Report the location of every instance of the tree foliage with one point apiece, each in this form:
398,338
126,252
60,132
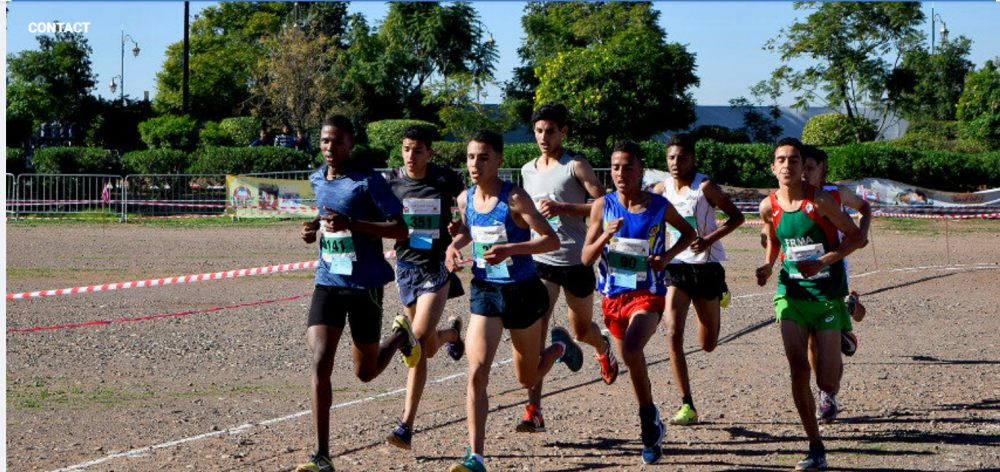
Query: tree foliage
53,82
856,46
610,64
461,110
979,106
927,86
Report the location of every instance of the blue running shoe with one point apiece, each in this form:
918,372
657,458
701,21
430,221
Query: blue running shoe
573,356
468,464
401,437
652,438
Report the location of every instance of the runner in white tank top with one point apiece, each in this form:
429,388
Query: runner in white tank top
694,276
561,185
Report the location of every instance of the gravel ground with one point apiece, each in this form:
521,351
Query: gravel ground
921,394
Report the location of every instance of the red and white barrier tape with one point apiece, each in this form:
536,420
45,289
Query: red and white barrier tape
143,318
167,281
987,216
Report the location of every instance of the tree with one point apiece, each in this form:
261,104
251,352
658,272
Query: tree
416,42
850,41
610,64
628,89
927,86
225,44
52,82
760,127
461,110
299,80
979,106
551,28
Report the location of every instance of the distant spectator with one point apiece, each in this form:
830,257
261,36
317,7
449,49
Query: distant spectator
302,143
262,140
285,139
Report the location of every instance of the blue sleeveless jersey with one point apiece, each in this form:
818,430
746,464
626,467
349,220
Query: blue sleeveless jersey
647,226
497,227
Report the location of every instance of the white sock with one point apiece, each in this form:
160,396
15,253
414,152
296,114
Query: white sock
479,458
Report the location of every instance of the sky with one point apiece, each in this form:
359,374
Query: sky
727,37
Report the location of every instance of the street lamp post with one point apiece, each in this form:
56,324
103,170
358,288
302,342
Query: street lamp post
944,28
135,53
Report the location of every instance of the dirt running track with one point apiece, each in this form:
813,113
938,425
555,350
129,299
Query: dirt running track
922,393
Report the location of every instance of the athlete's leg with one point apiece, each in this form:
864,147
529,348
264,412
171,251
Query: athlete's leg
535,392
813,353
531,362
482,339
677,311
829,366
322,341
641,327
581,320
424,316
708,323
796,341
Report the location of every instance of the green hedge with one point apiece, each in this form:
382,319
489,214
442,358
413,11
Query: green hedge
719,134
213,134
929,142
155,161
16,162
835,129
73,160
388,134
242,130
939,129
170,132
246,160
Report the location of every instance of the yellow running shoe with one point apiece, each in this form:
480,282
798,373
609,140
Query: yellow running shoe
410,350
726,298
318,463
685,416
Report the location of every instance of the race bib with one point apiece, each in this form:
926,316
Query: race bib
675,235
807,252
337,250
485,237
628,260
423,216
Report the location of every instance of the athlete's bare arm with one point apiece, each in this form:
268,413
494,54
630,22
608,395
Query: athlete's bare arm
461,239
718,199
394,228
659,261
585,175
522,208
659,189
830,209
852,200
773,246
597,235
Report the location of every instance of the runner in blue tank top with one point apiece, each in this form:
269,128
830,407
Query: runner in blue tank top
628,233
497,217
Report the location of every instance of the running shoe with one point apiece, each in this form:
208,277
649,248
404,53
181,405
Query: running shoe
410,350
814,461
726,298
608,362
848,343
685,416
573,356
826,409
468,464
401,437
317,463
457,348
652,438
532,421
854,306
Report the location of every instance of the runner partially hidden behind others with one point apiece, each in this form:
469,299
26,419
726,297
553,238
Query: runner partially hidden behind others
428,192
696,275
628,233
801,223
357,211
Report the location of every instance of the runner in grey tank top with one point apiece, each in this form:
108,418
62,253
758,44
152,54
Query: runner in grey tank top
561,184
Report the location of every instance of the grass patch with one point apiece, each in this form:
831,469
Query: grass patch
49,272
41,393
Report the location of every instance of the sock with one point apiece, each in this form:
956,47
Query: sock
648,412
479,458
560,343
688,401
816,446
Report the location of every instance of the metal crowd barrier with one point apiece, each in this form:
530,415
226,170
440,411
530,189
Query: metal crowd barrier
151,195
11,194
91,196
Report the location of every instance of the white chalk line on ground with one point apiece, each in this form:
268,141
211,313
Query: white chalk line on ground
244,427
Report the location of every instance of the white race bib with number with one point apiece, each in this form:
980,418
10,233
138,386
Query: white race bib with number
485,237
807,252
423,216
629,255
